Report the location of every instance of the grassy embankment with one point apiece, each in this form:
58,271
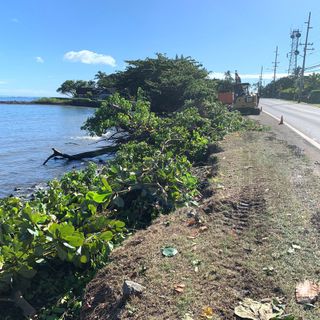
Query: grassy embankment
255,234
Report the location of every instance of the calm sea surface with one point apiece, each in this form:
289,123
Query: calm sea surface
27,134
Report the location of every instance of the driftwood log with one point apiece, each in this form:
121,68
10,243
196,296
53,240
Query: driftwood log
79,156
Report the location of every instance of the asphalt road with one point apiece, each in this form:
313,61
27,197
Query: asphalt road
301,116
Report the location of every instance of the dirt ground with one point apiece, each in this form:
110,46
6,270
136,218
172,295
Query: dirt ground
256,234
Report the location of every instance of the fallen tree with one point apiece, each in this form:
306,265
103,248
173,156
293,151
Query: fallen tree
79,156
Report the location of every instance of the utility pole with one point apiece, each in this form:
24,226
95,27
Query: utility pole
260,81
305,48
275,65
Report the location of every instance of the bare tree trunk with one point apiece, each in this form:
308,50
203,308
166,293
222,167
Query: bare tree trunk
79,156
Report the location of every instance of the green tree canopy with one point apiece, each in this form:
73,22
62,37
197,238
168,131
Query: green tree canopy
166,82
71,87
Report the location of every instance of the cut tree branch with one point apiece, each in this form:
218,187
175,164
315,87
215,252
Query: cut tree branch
79,156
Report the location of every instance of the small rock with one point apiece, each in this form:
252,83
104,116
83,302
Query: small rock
130,288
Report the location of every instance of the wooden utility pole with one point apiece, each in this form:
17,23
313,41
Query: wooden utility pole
275,65
260,81
305,48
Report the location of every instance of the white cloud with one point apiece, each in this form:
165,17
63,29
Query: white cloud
216,75
3,82
15,20
265,76
89,57
39,60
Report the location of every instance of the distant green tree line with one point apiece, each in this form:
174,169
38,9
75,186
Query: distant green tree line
288,88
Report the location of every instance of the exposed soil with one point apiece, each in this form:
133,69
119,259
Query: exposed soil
255,234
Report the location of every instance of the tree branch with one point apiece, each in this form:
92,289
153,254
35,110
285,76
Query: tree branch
79,156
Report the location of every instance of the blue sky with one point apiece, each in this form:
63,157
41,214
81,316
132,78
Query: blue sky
45,42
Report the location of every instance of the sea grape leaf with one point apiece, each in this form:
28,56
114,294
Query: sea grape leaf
65,229
37,218
106,236
119,224
106,185
83,259
92,208
97,224
98,197
75,239
53,228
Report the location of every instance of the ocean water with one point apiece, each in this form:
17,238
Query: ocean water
27,134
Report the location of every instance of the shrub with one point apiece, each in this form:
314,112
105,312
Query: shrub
52,100
287,94
314,96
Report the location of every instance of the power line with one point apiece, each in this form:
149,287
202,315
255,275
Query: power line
312,67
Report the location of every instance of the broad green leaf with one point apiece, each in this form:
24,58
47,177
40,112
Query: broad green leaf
119,224
113,169
92,208
98,197
83,259
65,230
53,229
76,239
106,236
106,185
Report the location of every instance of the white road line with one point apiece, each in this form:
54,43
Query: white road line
314,143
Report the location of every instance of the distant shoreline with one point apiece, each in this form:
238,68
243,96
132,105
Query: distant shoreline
76,102
16,102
